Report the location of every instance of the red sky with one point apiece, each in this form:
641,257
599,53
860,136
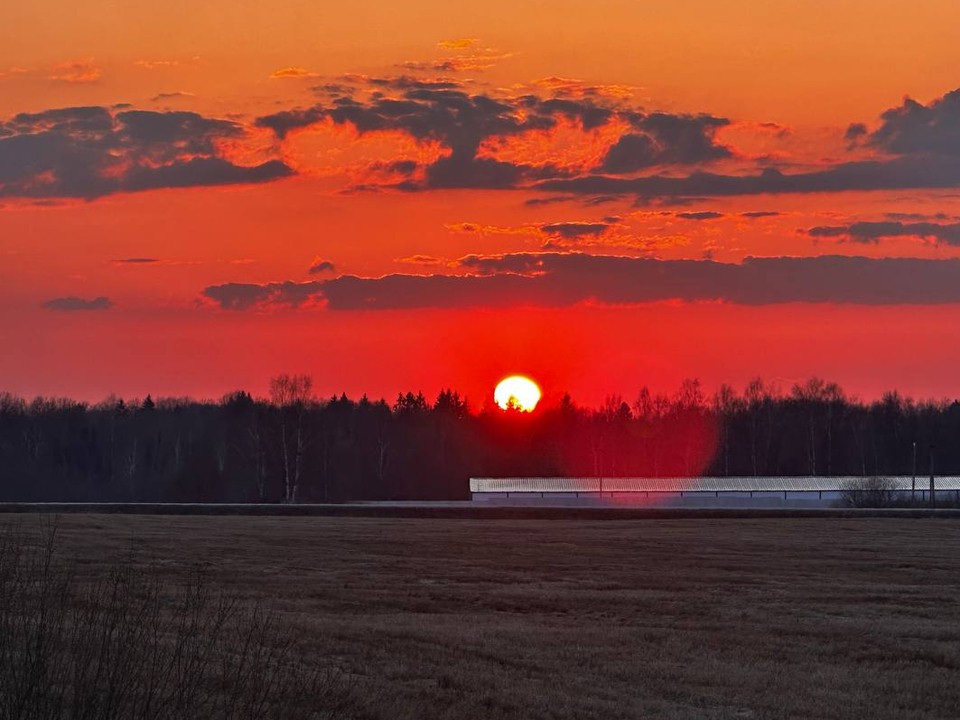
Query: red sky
483,190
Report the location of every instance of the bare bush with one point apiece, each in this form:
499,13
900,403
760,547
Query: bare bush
121,646
868,492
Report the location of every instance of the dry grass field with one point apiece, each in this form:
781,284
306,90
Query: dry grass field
425,618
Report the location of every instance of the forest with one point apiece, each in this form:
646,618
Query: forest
294,447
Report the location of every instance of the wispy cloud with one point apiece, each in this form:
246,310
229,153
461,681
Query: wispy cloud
292,73
77,304
76,72
12,71
175,95
156,64
462,43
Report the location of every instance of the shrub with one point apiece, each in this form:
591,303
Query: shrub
868,492
122,646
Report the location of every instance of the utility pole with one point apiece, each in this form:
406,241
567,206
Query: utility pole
933,491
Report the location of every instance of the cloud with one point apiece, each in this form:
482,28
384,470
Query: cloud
76,72
242,296
549,200
574,230
760,214
402,167
571,230
462,63
171,95
468,126
702,215
405,82
922,143
72,304
899,173
462,43
854,132
422,260
319,265
454,118
154,64
918,216
137,261
563,279
11,71
917,129
573,87
291,73
867,232
664,139
88,152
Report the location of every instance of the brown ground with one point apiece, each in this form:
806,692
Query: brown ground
775,618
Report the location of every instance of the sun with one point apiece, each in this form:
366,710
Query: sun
518,393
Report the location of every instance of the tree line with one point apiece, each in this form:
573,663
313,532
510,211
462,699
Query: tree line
294,447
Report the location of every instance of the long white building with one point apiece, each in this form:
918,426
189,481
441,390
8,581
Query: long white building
700,491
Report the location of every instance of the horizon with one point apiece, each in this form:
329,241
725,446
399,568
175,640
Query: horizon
552,398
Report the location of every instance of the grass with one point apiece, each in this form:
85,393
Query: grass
427,618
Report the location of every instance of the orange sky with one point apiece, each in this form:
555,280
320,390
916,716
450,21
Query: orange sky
400,138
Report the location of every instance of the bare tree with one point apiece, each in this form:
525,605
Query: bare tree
725,405
760,400
291,394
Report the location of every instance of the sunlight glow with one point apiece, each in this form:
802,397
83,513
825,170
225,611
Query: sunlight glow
518,393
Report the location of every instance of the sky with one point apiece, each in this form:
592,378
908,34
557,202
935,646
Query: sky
412,196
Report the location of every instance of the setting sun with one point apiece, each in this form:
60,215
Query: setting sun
517,392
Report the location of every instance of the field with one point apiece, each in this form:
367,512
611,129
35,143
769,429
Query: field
734,618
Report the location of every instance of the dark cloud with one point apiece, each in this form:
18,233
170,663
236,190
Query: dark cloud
701,215
71,304
405,82
664,139
88,152
452,117
759,214
203,171
923,139
917,129
444,112
898,173
866,232
320,266
855,131
137,261
242,296
333,89
601,200
591,116
171,95
402,167
918,216
573,230
562,279
549,200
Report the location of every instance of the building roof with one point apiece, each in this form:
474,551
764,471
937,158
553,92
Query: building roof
697,484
